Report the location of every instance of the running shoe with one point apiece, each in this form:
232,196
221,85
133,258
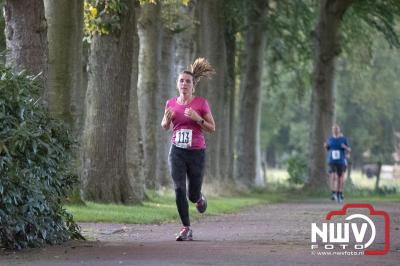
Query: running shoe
334,196
339,199
201,204
185,234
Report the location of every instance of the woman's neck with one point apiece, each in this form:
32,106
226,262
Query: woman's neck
185,99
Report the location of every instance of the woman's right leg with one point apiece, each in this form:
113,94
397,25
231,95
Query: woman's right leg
178,170
333,181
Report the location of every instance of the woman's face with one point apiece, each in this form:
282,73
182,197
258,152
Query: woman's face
336,130
185,84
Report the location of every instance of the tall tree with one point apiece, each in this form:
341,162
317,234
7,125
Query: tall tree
134,136
166,89
185,36
327,48
105,177
65,33
233,19
177,52
26,37
148,30
211,44
66,93
248,140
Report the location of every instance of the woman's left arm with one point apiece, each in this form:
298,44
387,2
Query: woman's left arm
346,147
206,123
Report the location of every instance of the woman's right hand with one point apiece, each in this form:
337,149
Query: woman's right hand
168,114
166,122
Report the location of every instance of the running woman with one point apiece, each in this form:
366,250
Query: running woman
337,147
189,116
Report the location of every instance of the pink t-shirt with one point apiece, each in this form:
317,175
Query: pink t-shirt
187,133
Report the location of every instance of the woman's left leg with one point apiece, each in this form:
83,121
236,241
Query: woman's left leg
195,172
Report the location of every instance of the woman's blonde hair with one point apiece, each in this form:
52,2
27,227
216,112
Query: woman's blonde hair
199,69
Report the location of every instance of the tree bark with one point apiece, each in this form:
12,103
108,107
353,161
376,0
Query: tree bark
166,88
211,45
149,29
66,93
327,48
105,177
65,32
134,138
231,90
185,44
248,164
26,37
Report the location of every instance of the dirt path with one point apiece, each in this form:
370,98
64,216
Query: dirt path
277,234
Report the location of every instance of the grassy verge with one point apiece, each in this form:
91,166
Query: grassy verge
356,195
161,208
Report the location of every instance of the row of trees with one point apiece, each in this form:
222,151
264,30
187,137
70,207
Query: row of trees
364,94
112,90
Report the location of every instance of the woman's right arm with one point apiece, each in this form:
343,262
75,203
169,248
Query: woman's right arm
166,121
326,146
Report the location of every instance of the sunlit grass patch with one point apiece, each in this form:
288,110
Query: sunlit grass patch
161,208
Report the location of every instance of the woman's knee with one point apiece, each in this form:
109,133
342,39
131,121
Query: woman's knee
180,192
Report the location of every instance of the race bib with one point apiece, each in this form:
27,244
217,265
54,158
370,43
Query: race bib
335,154
183,138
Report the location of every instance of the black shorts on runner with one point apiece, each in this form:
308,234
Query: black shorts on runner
339,169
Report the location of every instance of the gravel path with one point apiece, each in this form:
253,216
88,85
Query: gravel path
275,234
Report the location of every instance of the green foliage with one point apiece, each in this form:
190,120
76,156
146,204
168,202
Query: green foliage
287,77
290,25
174,15
297,169
367,95
379,15
34,174
368,102
102,17
234,16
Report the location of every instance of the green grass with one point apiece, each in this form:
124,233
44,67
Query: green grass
162,208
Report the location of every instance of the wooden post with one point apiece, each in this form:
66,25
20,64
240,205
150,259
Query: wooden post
378,177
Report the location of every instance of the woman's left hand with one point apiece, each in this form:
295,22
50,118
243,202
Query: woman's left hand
192,114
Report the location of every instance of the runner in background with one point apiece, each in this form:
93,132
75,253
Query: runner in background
189,116
337,148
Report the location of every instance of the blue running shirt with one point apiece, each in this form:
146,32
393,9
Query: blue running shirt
336,154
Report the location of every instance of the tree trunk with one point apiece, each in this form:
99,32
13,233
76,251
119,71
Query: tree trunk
327,48
211,44
65,32
148,29
185,45
66,93
248,162
26,37
134,137
231,90
105,177
166,88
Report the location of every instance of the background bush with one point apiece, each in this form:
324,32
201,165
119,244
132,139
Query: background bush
297,169
35,153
